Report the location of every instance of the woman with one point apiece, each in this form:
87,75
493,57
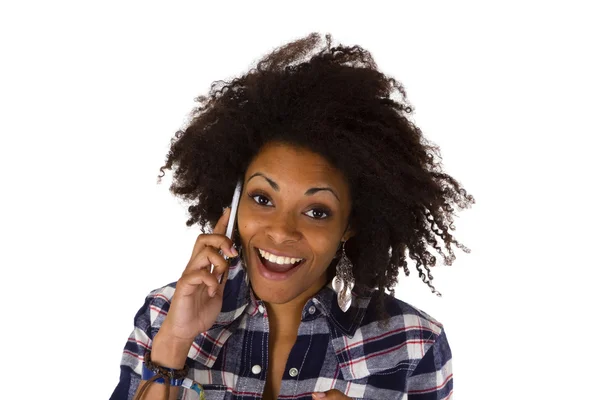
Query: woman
339,187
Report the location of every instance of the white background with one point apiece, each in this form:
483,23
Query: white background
92,92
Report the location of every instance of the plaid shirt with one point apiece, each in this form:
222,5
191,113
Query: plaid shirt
350,352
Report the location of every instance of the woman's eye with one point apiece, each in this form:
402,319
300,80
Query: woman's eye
315,213
318,213
262,200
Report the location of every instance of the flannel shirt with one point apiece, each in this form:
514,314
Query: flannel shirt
350,352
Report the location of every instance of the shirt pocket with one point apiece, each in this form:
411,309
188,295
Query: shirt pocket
387,384
210,392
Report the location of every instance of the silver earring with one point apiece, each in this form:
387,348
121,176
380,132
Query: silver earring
343,281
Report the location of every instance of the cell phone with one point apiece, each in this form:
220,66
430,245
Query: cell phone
231,223
234,206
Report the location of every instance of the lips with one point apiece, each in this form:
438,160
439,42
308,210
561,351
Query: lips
274,271
274,267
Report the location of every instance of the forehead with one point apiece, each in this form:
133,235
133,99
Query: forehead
293,163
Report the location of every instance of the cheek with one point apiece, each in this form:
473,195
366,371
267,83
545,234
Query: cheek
324,246
247,223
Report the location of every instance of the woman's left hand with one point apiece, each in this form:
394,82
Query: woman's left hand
332,394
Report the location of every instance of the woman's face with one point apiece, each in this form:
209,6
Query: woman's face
294,205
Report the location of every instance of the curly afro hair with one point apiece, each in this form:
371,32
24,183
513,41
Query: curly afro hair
334,102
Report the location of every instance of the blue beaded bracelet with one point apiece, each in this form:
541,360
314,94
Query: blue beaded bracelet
147,374
150,370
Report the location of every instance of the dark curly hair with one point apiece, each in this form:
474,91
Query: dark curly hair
332,101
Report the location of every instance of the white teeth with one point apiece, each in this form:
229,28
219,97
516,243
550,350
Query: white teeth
278,259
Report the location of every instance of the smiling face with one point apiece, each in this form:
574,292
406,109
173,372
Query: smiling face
294,205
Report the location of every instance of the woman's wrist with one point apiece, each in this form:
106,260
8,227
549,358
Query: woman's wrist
169,352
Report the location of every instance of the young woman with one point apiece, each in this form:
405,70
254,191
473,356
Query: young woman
338,189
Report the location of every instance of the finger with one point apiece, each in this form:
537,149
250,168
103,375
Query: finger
210,257
218,241
332,394
222,279
205,258
221,225
190,281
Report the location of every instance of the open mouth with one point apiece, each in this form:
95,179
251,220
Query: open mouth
275,270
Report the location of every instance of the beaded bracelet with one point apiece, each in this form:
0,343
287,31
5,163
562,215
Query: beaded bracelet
152,372
149,369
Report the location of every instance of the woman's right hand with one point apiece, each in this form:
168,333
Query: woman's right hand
198,295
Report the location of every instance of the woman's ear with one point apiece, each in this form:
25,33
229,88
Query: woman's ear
348,234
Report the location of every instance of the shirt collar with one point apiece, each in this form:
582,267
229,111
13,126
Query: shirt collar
346,322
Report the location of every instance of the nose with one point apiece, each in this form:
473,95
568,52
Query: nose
282,228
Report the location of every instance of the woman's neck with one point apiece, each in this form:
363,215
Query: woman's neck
284,319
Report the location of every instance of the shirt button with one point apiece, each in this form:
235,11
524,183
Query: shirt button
312,310
293,372
261,309
256,369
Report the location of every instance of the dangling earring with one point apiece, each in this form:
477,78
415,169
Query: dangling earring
343,281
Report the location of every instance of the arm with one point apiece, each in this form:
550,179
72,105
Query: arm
170,354
147,336
171,318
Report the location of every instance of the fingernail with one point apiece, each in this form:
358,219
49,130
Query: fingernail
318,395
233,251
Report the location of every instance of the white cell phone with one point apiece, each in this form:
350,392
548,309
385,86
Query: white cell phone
234,206
231,223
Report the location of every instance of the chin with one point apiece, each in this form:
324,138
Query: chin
273,292
272,295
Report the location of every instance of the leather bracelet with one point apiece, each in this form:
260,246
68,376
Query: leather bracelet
175,376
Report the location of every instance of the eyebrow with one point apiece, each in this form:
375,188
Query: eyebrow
309,192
